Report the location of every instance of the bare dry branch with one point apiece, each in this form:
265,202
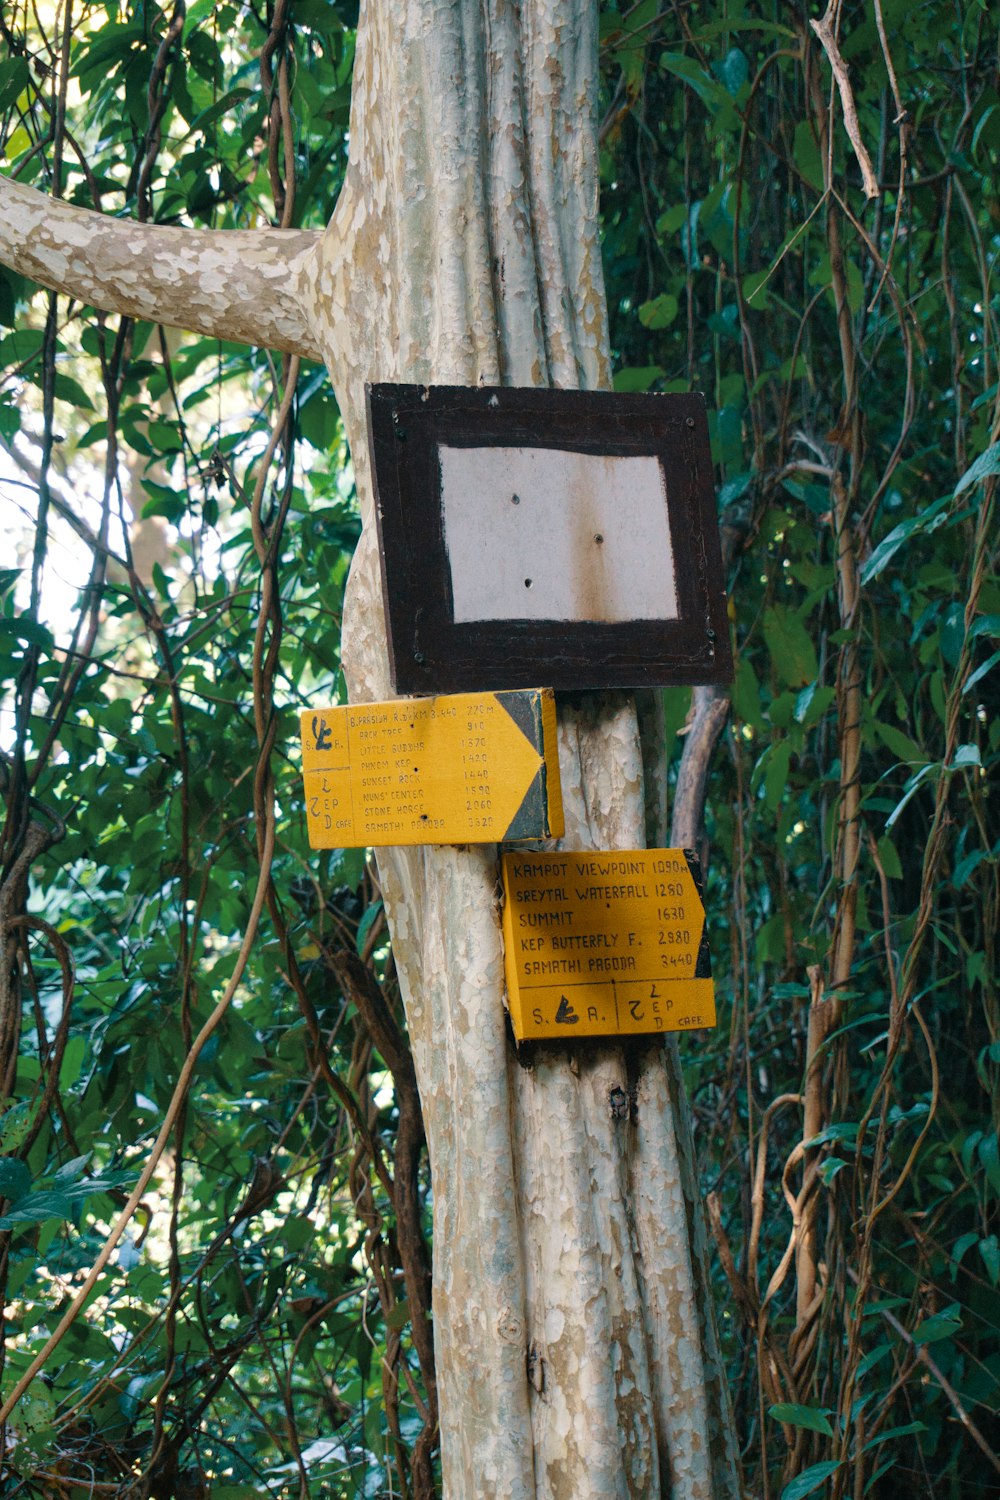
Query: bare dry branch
824,30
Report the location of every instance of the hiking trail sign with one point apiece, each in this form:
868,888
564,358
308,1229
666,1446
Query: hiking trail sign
605,944
464,769
564,537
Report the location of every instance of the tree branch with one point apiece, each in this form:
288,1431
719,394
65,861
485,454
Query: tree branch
232,283
707,719
824,30
709,712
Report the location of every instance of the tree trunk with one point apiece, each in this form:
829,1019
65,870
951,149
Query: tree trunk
577,1356
576,1351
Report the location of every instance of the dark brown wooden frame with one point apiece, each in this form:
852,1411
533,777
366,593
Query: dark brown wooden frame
429,652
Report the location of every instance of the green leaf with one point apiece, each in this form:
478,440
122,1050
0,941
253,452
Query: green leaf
57,1202
985,625
812,703
985,397
796,1415
201,10
94,434
26,629
14,290
928,520
941,1326
754,290
72,1171
746,694
35,1208
968,1149
398,1317
15,1179
347,866
637,378
890,858
610,23
900,744
952,634
71,391
806,155
982,671
909,791
894,1432
739,484
161,582
725,427
809,1480
830,1166
792,650
989,1155
958,1249
672,219
704,85
776,776
21,346
72,1063
165,436
660,312
15,1123
10,419
14,79
35,1412
165,502
367,923
733,71
986,464
106,47
966,867
216,110
319,14
989,1250
319,420
882,1305
873,1357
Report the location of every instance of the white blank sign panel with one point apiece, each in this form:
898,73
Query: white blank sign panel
542,534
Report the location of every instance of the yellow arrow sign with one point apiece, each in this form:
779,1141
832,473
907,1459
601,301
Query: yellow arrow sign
466,768
605,944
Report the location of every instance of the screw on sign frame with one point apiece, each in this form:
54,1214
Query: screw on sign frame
564,537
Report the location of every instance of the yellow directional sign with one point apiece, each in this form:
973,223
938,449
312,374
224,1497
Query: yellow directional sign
467,768
605,944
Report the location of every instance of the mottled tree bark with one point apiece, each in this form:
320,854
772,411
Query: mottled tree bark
577,1356
230,283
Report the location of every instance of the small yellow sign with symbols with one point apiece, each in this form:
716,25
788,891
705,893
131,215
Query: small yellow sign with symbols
605,944
467,768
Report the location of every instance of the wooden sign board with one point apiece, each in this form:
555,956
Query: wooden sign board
472,768
605,944
568,537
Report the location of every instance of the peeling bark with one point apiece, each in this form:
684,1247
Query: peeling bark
576,1350
234,284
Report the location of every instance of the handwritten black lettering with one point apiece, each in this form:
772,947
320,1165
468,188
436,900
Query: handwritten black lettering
322,734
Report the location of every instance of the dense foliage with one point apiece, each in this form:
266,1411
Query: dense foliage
180,524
